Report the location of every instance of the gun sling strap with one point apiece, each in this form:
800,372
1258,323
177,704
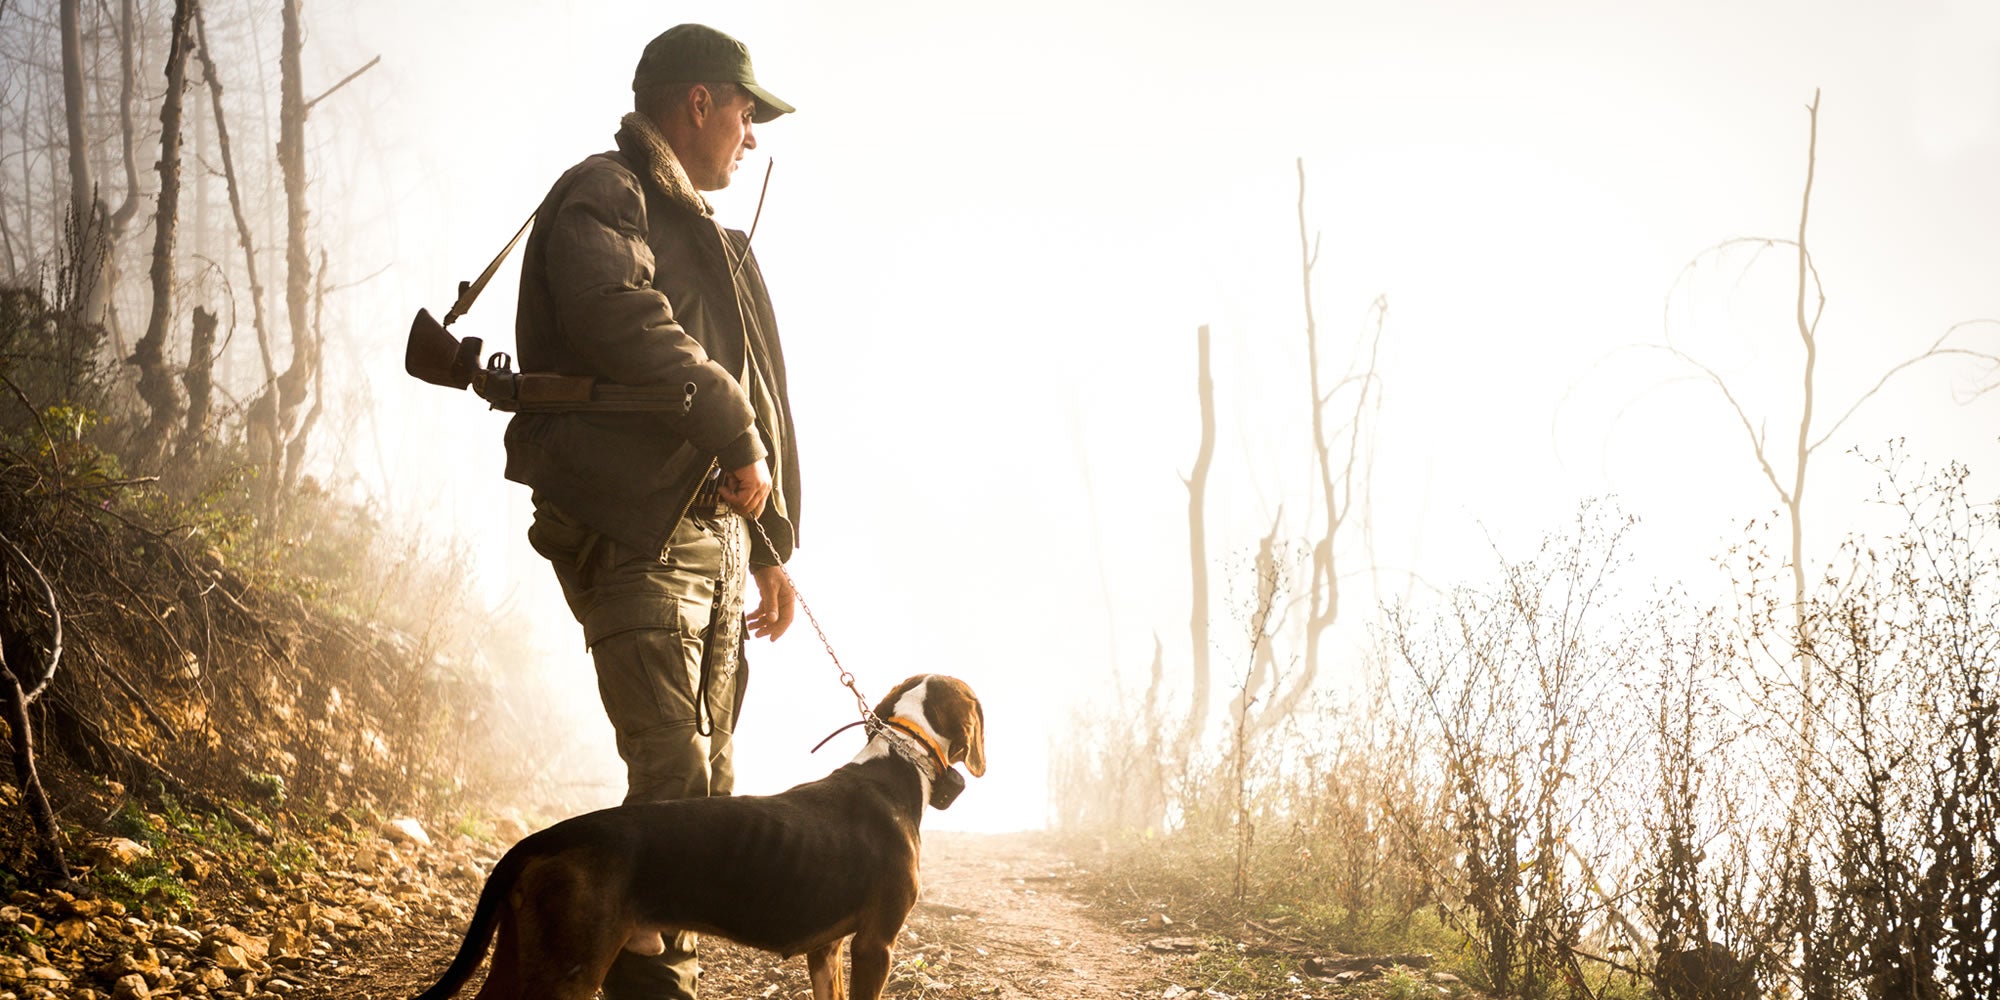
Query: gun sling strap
437,357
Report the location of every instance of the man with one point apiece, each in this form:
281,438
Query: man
645,515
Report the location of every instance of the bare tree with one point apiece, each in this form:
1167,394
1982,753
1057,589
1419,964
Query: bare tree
1339,413
156,386
120,218
1790,487
235,189
86,212
278,438
1197,487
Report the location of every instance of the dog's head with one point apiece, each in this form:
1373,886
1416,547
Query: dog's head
949,713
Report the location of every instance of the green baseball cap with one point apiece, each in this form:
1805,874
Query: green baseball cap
697,53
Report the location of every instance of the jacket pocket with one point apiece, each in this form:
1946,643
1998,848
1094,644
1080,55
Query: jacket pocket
564,541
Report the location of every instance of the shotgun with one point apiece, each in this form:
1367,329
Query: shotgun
437,357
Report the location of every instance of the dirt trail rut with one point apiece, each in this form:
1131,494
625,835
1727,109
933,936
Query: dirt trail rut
1000,901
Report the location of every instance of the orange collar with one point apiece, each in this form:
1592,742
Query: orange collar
912,729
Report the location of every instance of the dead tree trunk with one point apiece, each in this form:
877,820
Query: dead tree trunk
236,201
295,449
1339,455
200,381
1817,984
87,304
1197,486
278,408
120,218
156,386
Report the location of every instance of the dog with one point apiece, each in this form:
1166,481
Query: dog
793,873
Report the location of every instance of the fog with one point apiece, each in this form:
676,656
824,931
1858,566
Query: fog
990,240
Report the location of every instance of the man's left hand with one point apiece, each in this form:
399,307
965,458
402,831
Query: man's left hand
775,602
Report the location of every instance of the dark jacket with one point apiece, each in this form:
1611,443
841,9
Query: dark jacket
627,277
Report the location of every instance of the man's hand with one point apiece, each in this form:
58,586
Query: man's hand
775,601
745,489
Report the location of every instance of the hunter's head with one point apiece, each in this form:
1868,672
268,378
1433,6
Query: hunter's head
696,85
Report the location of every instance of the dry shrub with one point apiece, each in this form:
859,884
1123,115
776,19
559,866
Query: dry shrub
1610,794
230,663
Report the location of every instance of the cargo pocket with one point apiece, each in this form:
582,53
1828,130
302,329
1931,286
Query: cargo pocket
641,679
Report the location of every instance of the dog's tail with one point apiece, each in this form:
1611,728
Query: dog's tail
479,936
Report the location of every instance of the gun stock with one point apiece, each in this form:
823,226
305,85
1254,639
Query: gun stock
437,357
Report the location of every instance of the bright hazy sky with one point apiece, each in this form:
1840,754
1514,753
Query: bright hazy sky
990,238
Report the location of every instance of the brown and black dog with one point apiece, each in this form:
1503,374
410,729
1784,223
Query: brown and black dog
794,873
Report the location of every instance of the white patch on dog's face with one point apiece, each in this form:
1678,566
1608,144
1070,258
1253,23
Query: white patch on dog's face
910,707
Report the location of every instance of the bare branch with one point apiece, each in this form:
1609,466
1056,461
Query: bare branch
1936,350
1742,417
55,652
37,414
344,81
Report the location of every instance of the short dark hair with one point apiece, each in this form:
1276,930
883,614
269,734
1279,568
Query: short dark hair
658,99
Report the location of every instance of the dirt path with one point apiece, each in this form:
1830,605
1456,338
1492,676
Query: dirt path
998,904
994,921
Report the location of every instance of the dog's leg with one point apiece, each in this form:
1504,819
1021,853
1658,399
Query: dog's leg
823,966
503,976
565,930
868,959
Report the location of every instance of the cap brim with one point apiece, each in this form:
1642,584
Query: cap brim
768,104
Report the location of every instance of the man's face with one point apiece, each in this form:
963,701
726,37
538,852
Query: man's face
720,139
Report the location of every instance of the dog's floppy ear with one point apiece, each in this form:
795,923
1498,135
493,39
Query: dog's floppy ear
964,719
975,739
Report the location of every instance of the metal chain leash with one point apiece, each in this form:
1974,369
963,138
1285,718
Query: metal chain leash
846,676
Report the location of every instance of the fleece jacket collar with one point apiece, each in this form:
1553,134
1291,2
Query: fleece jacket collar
641,142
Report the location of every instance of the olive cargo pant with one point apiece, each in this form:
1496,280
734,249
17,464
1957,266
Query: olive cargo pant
648,619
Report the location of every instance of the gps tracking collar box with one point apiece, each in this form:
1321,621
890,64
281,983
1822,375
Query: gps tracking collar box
945,788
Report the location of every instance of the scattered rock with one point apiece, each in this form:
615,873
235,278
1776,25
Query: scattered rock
406,830
229,958
287,941
132,987
252,945
1177,945
118,852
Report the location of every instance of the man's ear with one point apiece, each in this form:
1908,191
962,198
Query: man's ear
700,103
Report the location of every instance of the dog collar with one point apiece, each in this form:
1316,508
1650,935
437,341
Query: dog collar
905,727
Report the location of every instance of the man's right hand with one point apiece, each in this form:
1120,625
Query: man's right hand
746,489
